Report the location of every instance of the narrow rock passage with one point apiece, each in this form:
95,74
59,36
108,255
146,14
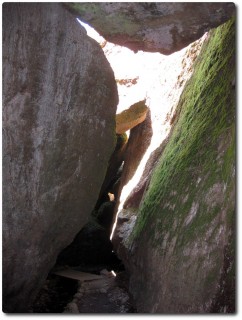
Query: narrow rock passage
88,276
100,281
90,261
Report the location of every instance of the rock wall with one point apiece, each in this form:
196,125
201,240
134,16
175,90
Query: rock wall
155,27
180,248
59,103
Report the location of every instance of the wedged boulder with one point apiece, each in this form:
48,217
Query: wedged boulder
131,117
59,105
163,27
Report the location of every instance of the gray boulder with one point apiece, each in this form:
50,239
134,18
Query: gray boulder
163,27
59,104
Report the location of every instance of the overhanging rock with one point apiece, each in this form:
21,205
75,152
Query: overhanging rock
164,27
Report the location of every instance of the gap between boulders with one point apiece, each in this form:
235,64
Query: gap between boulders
88,276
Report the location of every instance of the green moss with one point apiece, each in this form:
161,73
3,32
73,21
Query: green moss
229,157
186,220
206,113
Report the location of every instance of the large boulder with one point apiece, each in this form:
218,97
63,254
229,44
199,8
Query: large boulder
59,104
155,27
177,238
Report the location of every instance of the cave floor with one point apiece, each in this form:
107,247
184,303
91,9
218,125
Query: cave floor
104,295
73,291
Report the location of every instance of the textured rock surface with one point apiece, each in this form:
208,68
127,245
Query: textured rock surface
59,103
131,117
180,249
154,27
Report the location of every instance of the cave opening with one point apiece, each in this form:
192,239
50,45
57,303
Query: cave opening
155,81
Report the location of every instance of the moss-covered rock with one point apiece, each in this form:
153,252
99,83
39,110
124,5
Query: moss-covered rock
183,240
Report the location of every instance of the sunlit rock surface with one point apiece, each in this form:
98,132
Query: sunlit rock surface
131,117
59,105
164,27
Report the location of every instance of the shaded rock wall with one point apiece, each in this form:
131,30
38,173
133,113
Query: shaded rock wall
154,27
59,103
180,249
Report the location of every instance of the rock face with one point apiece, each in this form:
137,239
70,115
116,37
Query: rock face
180,245
59,103
154,27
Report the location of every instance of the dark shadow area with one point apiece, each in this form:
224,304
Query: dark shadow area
91,250
54,295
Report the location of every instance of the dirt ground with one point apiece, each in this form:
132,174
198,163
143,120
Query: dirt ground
106,295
